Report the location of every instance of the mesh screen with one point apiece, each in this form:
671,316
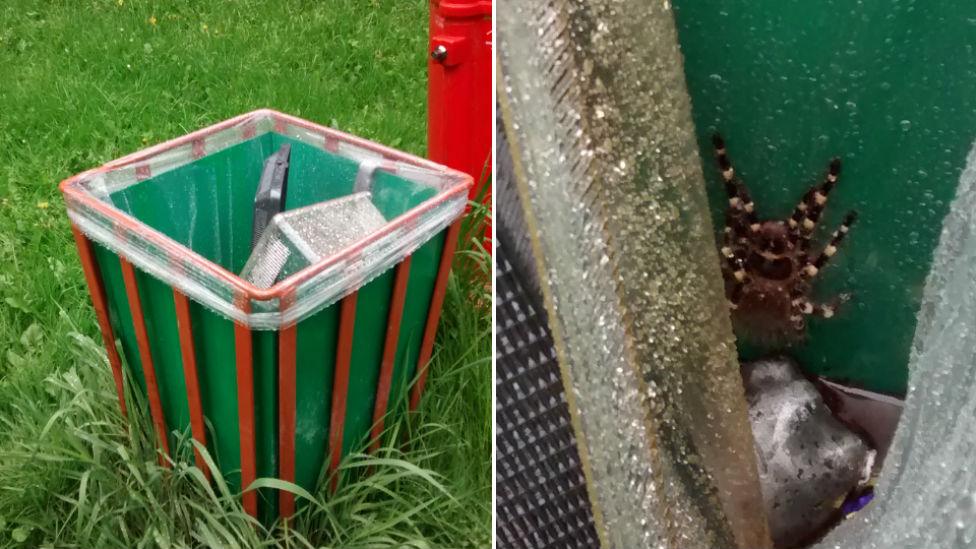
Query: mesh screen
541,492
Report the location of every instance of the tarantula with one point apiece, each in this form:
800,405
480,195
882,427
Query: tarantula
767,265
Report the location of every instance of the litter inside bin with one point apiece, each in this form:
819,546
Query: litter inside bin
299,238
809,462
270,198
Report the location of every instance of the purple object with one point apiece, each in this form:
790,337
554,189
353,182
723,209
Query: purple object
855,503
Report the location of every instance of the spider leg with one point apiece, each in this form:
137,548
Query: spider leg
739,280
740,203
807,212
823,310
730,249
734,272
810,269
798,302
735,295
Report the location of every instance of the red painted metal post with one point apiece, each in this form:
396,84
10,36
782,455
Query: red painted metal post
188,352
340,384
459,90
459,125
287,361
434,316
397,301
96,287
244,358
145,355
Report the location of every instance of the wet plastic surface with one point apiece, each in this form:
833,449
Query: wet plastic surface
606,161
302,237
926,495
887,86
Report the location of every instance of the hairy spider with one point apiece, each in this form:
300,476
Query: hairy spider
767,265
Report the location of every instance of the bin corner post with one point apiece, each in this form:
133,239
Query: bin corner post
145,356
287,359
340,385
96,289
244,357
434,313
188,352
398,299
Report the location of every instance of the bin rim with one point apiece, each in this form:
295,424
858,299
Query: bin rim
244,290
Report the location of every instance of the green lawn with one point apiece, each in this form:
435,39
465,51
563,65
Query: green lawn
86,81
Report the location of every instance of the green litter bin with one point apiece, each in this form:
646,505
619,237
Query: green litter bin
282,378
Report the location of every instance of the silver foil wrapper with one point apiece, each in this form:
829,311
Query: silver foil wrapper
808,460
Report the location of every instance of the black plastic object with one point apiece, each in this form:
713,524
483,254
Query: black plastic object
270,198
542,498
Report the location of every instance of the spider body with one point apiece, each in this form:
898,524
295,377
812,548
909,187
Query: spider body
767,265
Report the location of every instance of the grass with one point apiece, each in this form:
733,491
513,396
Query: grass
86,81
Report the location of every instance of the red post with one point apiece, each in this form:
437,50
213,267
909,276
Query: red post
459,126
459,91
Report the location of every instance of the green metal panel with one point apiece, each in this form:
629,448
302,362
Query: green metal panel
316,340
420,290
119,314
372,310
888,86
315,346
393,195
159,310
314,175
207,207
213,337
265,345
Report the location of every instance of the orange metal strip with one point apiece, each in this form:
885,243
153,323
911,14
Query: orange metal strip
340,383
389,351
97,291
244,353
188,350
434,314
145,355
287,356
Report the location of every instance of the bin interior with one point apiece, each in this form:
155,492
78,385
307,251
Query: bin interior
207,206
789,90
